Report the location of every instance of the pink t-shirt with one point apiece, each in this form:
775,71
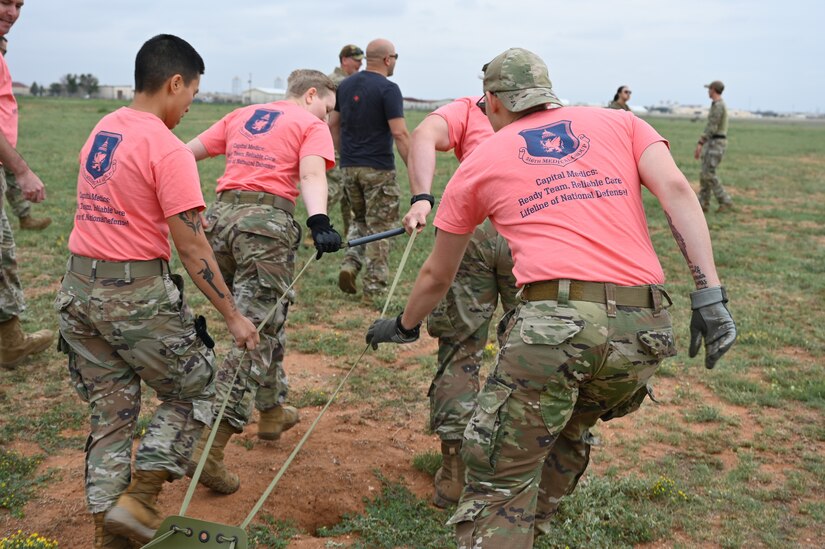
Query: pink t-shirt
8,105
134,174
467,125
563,188
264,145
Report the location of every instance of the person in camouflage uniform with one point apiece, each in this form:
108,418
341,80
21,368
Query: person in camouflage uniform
255,238
368,117
711,148
620,99
121,312
592,324
350,60
15,344
461,321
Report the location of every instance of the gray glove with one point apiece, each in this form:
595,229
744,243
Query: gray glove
389,330
712,322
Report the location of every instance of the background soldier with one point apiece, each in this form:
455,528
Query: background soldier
350,60
711,149
620,99
368,116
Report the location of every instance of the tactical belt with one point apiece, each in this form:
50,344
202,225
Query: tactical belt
252,197
596,292
718,136
97,268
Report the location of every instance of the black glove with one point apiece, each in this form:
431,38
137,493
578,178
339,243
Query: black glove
326,238
712,322
389,330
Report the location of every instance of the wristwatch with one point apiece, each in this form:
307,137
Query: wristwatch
428,197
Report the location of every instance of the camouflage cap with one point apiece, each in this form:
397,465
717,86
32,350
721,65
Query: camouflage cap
716,85
353,51
519,79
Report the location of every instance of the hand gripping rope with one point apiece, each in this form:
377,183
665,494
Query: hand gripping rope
198,534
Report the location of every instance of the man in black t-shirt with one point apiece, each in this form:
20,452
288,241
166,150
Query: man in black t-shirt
368,117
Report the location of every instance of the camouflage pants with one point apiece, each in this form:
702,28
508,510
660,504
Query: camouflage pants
20,207
373,196
712,153
117,333
461,323
335,194
11,291
255,247
563,366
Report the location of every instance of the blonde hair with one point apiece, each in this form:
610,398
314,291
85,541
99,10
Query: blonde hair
303,79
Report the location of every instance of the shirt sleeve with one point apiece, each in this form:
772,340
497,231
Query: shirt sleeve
714,121
461,208
393,102
455,114
318,142
644,136
214,138
178,183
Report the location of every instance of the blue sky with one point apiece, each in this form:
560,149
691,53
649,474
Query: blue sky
769,54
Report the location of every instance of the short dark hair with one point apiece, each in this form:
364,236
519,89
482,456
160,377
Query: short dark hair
162,57
618,92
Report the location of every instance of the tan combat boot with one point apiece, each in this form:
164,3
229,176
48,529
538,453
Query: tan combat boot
105,539
15,345
277,420
346,279
449,479
30,223
135,515
214,475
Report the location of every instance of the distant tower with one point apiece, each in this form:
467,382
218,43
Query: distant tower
236,85
279,82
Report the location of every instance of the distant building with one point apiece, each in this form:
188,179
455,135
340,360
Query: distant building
263,95
18,88
120,93
413,104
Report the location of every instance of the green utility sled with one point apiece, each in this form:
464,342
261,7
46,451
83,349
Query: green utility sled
187,533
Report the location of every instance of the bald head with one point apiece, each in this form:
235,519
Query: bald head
381,56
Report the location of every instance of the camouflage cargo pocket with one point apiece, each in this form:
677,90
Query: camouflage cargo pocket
76,377
549,330
481,437
630,405
439,323
192,364
659,343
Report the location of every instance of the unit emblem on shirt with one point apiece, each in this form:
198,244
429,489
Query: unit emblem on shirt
260,122
554,144
100,164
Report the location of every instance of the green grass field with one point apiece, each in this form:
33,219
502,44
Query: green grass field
733,457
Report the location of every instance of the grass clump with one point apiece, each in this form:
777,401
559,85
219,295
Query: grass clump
17,481
22,540
273,533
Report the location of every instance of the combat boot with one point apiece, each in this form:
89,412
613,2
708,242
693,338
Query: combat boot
346,279
30,223
214,475
105,539
135,515
15,345
277,420
449,479
726,207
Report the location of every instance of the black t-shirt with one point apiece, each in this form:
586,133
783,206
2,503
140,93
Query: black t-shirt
366,101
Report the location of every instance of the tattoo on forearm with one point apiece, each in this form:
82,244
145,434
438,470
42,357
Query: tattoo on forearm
192,219
699,278
209,276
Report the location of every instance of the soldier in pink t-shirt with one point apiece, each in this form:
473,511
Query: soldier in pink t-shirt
122,315
15,345
461,321
273,152
563,186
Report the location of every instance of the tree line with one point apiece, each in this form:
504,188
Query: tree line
70,85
